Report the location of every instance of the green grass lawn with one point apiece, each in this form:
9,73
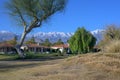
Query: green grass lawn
8,56
30,55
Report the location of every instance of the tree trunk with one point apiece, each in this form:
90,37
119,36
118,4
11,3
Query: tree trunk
18,47
22,38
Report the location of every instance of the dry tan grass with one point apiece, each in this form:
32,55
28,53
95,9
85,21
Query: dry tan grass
99,66
107,62
113,46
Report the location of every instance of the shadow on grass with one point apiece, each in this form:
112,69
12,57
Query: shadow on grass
32,57
43,58
15,63
8,66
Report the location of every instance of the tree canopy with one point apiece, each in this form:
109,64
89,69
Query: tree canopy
32,13
59,42
82,41
13,41
47,43
31,41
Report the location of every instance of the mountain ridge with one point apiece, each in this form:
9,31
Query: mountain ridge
52,36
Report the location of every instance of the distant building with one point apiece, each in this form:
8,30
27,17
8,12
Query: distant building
9,48
61,47
37,48
6,48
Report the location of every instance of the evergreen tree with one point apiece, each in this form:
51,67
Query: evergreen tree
82,41
58,42
47,43
31,41
13,41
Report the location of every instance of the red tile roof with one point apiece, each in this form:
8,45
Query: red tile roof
61,45
6,45
36,45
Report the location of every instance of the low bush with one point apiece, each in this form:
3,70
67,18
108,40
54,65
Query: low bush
113,47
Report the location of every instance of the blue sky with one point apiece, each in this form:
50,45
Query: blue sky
92,14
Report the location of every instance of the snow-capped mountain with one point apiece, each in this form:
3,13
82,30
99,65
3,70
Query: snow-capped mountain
6,35
98,34
52,36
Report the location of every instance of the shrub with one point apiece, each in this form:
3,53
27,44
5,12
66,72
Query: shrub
113,47
112,32
111,35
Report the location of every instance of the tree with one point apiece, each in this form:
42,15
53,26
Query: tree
82,41
31,41
58,42
13,41
112,32
32,13
47,43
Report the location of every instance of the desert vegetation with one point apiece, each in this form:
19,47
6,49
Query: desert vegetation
82,41
105,66
32,14
81,64
111,39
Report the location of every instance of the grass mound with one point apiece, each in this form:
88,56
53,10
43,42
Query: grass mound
98,66
107,62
